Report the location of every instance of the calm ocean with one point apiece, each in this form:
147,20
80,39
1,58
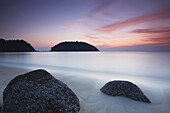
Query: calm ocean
149,70
131,64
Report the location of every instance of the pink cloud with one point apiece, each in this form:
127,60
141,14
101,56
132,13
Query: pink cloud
75,22
153,30
162,14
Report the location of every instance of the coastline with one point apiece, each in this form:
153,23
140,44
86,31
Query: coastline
7,74
91,99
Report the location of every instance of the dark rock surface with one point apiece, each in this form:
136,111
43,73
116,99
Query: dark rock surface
73,46
124,88
15,46
39,92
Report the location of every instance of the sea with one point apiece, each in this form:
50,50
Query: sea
150,70
143,65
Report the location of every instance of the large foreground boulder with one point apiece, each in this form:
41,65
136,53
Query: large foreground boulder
39,92
124,88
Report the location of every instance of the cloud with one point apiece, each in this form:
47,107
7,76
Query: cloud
95,16
91,36
101,7
74,23
157,36
158,40
162,14
153,30
139,47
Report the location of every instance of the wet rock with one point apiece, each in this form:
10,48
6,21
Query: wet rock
124,88
39,92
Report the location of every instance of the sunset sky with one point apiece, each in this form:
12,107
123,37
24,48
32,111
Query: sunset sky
108,24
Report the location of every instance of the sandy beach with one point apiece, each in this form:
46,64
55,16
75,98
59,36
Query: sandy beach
92,100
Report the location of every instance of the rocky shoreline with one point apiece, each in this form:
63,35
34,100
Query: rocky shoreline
39,91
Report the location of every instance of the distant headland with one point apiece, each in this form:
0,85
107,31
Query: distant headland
15,46
73,46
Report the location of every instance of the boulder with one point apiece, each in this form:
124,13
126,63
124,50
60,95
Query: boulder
124,88
39,92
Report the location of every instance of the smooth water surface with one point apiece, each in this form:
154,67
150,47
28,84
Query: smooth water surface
149,70
99,64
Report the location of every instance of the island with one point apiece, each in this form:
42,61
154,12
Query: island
15,46
73,46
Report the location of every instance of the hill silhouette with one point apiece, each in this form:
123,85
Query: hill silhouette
74,46
15,46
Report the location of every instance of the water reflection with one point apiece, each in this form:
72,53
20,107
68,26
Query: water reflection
136,66
150,71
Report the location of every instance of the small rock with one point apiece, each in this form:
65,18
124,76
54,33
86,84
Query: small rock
39,92
124,88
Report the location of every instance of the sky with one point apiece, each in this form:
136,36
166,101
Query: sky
110,25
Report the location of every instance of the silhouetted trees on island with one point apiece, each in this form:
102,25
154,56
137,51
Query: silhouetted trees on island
23,46
15,46
73,46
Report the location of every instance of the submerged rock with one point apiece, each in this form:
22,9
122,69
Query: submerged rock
124,88
39,92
